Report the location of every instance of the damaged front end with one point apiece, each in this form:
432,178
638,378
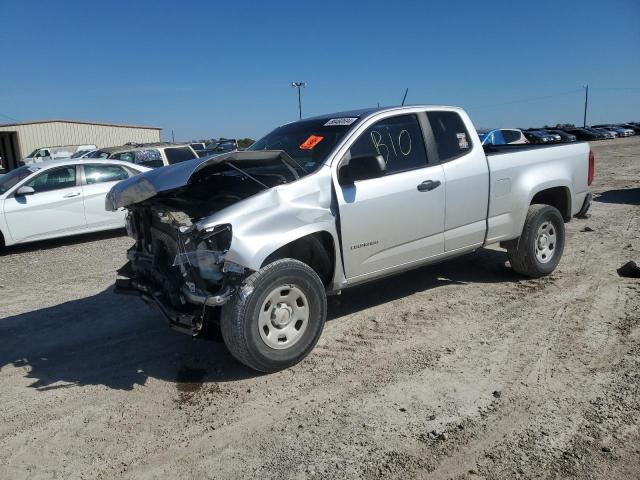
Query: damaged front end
177,268
175,264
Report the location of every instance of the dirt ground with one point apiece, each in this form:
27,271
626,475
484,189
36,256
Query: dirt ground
462,370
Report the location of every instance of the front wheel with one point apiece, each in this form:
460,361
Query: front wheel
538,250
277,318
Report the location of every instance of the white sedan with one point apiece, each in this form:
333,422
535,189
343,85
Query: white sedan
57,198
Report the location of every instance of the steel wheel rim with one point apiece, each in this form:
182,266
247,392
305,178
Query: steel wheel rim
546,242
284,317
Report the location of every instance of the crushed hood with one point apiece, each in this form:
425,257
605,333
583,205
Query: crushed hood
149,184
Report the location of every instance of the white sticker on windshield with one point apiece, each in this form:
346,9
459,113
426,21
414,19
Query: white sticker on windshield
340,121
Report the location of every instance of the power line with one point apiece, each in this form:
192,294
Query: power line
615,88
532,99
10,118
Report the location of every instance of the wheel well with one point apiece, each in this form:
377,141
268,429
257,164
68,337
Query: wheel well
558,197
1,239
315,250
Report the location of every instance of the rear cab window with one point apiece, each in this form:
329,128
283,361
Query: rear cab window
179,154
450,133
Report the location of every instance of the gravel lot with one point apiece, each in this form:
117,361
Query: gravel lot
462,370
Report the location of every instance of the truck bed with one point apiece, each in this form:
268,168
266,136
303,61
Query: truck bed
500,149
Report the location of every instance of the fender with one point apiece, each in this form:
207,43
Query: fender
271,219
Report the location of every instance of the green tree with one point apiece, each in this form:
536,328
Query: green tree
245,142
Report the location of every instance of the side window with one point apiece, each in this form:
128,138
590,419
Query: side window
54,179
179,154
451,135
124,156
511,136
104,173
149,158
398,139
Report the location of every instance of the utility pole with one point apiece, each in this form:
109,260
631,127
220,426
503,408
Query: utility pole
586,102
173,139
299,85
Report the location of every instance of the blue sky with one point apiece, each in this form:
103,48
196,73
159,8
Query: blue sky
208,69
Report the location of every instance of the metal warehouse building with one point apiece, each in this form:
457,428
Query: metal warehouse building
17,140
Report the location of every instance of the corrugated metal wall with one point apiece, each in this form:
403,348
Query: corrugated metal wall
50,134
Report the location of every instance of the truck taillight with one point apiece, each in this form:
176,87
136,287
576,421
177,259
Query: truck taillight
592,167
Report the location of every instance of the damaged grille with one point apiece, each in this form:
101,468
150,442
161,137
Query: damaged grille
170,255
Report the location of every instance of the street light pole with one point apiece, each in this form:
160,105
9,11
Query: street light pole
586,102
299,85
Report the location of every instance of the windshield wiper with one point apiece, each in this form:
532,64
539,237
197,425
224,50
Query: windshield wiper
246,174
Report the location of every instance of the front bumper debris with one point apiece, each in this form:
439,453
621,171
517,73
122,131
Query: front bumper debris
188,323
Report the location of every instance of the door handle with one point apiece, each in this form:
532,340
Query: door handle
71,195
428,185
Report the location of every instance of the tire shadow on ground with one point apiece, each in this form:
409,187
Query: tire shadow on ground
119,342
483,266
624,196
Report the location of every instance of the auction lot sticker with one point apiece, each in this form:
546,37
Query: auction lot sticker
311,142
340,121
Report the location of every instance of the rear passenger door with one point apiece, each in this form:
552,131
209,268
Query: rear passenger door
467,180
389,222
97,181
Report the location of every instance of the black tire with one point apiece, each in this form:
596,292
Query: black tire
522,251
239,318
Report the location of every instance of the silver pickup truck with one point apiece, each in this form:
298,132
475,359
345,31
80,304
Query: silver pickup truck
252,242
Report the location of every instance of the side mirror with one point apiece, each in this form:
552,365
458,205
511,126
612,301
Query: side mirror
362,167
24,190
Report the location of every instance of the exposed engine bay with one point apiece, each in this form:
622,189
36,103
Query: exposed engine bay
176,265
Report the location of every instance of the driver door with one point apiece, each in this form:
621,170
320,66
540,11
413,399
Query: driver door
54,209
389,222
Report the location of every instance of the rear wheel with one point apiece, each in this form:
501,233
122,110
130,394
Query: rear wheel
278,319
538,250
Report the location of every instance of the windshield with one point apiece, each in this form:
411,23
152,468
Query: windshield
308,142
33,154
79,153
14,176
97,154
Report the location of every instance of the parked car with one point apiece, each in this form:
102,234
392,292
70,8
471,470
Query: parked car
57,198
585,134
538,136
43,154
152,155
633,126
503,136
564,136
198,146
254,240
556,137
83,153
607,134
222,146
618,130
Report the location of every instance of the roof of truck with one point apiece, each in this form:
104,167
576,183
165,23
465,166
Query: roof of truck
364,112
